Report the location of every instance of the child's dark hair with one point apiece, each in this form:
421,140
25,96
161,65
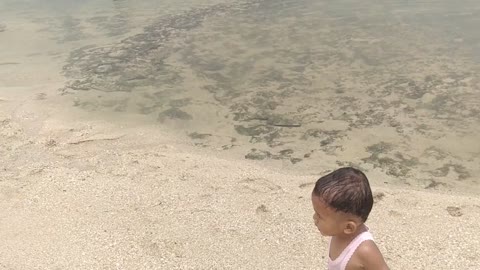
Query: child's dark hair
346,190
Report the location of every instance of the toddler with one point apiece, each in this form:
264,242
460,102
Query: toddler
342,201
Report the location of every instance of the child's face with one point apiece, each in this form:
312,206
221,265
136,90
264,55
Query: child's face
328,221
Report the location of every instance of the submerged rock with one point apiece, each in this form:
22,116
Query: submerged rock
258,154
174,113
199,136
103,69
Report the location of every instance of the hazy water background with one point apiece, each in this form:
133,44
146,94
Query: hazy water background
391,86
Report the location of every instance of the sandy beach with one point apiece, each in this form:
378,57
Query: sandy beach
134,137
77,193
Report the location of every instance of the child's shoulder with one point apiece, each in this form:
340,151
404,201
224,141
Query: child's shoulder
368,256
367,248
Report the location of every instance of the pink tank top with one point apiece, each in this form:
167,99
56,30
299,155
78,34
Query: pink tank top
340,263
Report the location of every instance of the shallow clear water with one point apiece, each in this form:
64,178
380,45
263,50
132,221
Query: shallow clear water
383,85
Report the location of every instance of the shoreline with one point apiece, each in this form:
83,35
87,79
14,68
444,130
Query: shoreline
57,109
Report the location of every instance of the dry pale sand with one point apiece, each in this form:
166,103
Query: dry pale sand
77,193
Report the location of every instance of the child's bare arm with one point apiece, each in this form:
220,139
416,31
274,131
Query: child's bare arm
371,257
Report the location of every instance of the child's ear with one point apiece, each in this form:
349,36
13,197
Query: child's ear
350,227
